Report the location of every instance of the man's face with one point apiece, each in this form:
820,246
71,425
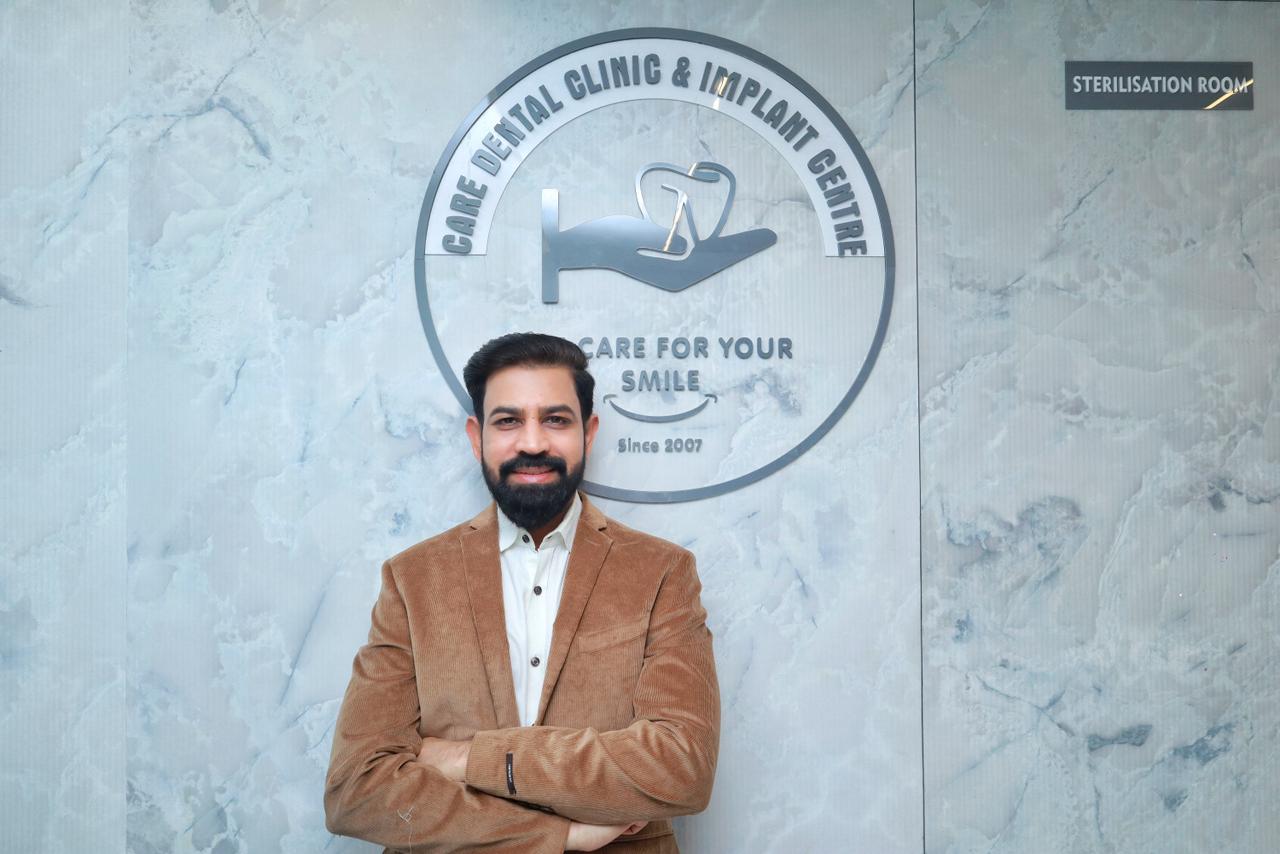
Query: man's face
533,443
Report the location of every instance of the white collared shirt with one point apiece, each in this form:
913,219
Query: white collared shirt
532,581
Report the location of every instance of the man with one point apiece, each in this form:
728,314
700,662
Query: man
539,679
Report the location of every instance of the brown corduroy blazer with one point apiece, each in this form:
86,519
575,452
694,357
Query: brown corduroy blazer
627,728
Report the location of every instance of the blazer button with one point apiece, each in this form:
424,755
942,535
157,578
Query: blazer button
535,661
537,590
524,537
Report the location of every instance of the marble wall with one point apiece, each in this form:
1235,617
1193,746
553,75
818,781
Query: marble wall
1022,598
1100,437
64,188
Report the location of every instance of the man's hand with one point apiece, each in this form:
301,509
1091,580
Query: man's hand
591,837
447,757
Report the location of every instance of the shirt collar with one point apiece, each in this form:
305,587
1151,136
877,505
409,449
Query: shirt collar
509,533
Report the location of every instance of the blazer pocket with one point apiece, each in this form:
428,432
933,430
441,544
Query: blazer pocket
611,636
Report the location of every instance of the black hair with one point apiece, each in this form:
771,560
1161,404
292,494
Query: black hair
530,349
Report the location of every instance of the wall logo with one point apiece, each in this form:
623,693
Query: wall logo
699,219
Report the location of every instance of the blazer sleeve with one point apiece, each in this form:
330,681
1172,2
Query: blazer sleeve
377,791
662,765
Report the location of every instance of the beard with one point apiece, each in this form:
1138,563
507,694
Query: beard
533,505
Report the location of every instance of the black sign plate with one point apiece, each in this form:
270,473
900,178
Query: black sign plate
1159,85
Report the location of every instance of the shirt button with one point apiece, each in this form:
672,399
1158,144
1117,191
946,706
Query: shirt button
537,591
525,537
535,661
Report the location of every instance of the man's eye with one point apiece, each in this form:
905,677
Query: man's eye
504,422
558,420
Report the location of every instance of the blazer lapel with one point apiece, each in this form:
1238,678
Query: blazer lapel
484,590
590,548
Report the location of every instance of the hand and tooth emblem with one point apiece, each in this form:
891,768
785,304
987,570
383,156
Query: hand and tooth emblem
671,257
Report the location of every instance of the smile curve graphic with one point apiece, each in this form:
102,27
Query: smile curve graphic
659,419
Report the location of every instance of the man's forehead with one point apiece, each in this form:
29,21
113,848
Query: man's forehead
531,387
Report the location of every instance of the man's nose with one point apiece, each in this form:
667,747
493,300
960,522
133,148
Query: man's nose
532,438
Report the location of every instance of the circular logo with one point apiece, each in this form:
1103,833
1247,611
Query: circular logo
698,219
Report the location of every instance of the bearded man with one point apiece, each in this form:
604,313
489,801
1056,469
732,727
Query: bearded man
539,679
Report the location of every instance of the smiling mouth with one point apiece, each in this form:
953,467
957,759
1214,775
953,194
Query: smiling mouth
532,469
533,474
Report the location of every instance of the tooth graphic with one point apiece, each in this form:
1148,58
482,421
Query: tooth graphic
669,196
667,206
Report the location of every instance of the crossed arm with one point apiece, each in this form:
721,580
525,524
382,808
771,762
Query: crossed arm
661,765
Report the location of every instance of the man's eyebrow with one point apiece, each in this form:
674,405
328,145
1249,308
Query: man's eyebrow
556,409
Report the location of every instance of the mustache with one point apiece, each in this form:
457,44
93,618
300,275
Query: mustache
532,461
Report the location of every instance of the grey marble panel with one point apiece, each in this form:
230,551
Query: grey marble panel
63,188
1100,306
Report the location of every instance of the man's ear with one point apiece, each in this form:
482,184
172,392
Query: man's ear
589,434
473,433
